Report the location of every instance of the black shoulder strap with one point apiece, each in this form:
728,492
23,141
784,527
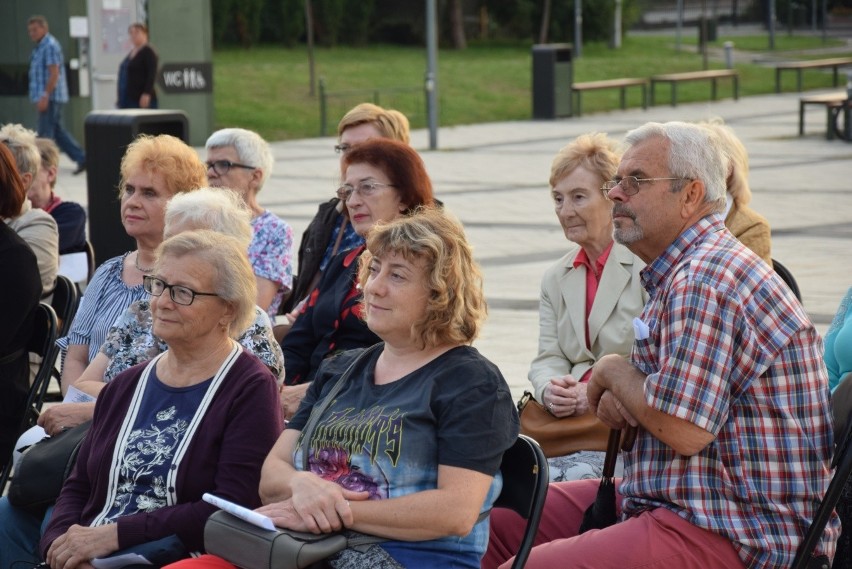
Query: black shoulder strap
322,405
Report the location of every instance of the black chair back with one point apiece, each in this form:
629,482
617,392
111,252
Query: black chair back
842,465
42,343
788,278
66,298
525,480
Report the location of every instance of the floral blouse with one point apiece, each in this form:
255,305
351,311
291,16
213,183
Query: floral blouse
271,255
131,341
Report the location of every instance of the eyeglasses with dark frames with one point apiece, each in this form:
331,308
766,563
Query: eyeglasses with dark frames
342,148
179,294
222,167
364,189
630,184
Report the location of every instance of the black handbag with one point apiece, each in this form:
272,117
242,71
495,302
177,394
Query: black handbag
251,547
43,468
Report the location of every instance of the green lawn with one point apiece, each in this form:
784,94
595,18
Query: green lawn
267,89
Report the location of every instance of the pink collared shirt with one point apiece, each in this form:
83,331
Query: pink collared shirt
593,279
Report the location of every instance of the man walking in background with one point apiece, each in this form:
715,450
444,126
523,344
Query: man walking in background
49,90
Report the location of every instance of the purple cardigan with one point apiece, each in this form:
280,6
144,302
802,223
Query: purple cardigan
237,431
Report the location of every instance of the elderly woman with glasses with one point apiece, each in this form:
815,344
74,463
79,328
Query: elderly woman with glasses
330,231
240,160
383,179
588,298
131,339
154,169
200,417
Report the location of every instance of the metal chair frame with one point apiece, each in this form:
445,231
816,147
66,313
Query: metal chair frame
42,343
525,481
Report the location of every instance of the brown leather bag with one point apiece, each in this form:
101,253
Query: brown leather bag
561,436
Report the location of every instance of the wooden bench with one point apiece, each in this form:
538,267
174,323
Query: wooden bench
833,103
799,66
622,84
712,74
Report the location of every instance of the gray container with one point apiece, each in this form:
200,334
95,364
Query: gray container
108,133
552,79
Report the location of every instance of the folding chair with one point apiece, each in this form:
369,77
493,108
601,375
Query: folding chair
43,343
525,480
787,277
842,463
66,298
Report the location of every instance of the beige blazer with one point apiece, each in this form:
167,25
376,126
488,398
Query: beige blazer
752,230
562,312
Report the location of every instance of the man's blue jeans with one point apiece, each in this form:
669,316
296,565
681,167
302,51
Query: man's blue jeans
50,126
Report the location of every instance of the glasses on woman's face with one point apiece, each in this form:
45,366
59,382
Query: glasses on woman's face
630,184
364,189
179,294
222,167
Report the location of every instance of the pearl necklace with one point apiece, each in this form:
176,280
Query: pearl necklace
140,269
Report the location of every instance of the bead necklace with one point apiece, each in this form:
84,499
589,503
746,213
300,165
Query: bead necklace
141,269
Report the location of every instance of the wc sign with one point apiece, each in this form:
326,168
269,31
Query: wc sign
187,77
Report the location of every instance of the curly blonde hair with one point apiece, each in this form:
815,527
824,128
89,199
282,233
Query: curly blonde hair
179,164
389,122
456,307
737,179
594,151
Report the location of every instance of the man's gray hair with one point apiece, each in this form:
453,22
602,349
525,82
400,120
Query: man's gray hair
251,149
695,152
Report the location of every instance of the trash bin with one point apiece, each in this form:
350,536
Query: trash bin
712,31
108,133
552,78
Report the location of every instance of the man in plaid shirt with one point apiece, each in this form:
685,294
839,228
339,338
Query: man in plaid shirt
725,383
49,91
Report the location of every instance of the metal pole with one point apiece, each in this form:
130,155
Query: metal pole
432,72
771,24
824,21
616,29
309,23
578,28
704,34
679,26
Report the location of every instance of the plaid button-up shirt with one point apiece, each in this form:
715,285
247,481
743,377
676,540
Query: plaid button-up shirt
47,52
731,351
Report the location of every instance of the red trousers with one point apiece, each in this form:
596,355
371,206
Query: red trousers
655,539
203,562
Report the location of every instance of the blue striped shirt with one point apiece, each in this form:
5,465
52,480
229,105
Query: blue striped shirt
47,52
106,298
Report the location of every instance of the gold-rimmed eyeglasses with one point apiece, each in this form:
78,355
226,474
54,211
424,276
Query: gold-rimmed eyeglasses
630,184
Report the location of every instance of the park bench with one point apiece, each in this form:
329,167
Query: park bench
710,74
577,90
833,103
799,66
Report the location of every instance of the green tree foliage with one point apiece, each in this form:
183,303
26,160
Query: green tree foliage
283,22
237,21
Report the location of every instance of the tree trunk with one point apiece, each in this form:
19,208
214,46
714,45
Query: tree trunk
545,22
457,24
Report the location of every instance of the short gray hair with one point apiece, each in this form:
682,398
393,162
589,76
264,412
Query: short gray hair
22,142
251,149
217,209
234,279
695,152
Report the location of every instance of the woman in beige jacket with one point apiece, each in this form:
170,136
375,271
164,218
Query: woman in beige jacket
589,298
